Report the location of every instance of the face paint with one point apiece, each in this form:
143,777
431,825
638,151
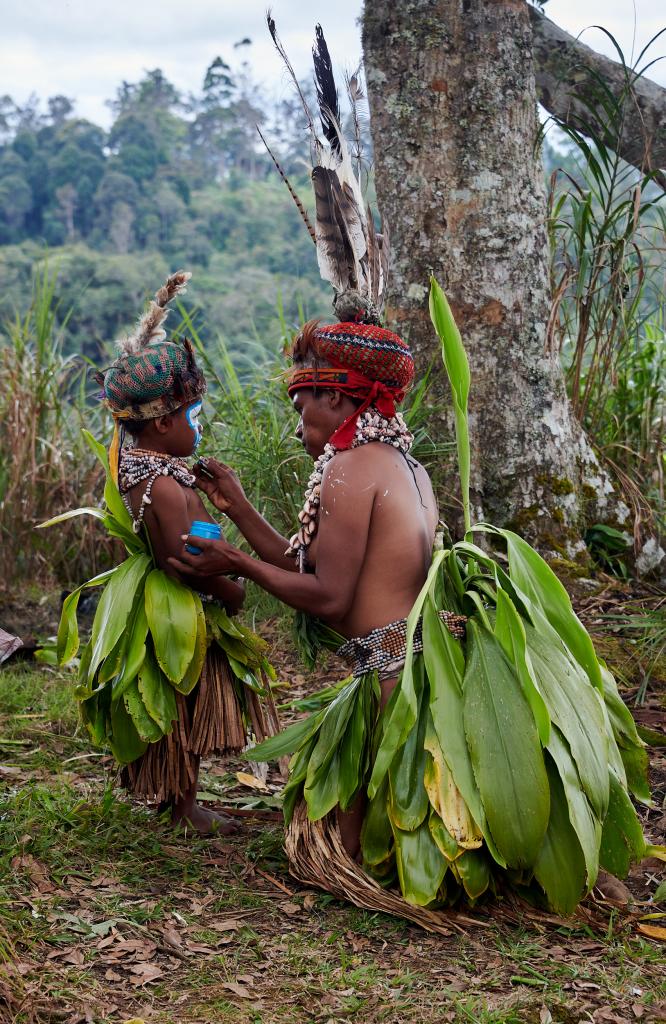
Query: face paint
192,417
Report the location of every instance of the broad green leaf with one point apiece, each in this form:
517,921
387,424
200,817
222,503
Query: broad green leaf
453,350
111,665
631,748
445,666
112,497
172,621
573,706
146,727
286,742
400,715
157,694
457,371
474,872
506,753
560,866
125,742
443,837
353,752
94,716
408,800
622,840
585,823
537,580
421,865
510,632
195,667
68,629
115,606
135,653
377,834
321,784
444,796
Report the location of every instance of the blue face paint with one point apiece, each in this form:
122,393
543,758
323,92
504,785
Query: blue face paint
192,417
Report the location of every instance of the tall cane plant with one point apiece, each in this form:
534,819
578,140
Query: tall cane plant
607,221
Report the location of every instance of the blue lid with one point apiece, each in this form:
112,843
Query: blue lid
200,528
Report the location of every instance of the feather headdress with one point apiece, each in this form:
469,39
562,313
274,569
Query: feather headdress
352,255
149,330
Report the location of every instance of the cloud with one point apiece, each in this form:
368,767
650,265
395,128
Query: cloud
84,49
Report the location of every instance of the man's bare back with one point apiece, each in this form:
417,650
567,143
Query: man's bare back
400,531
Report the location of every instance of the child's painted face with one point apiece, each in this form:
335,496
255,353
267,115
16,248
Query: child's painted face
192,417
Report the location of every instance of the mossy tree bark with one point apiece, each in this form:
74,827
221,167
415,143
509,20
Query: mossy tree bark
460,185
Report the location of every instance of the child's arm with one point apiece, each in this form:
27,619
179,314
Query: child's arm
167,517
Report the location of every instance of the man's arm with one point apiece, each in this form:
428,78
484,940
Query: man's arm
347,499
223,488
166,518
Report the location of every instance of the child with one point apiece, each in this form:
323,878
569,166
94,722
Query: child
180,681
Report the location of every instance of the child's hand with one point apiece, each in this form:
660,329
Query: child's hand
217,557
220,485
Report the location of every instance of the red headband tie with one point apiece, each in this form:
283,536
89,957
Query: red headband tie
373,392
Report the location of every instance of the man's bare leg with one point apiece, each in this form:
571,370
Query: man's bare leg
206,822
350,822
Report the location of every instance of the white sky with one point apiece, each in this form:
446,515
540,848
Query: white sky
85,48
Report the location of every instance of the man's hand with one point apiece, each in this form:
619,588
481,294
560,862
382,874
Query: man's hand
217,557
220,485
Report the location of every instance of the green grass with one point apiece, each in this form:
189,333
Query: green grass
84,872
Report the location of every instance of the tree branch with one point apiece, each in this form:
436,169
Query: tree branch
575,84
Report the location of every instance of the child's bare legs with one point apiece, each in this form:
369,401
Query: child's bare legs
350,822
199,818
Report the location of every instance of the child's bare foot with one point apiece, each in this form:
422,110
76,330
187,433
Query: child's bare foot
203,821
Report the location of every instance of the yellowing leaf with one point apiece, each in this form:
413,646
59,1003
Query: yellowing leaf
246,779
654,931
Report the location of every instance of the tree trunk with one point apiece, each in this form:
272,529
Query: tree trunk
567,81
460,184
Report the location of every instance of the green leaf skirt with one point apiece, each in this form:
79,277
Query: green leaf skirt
504,760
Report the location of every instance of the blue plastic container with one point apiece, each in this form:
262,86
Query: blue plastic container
199,528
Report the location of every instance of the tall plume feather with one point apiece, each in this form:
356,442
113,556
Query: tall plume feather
301,209
270,21
327,93
149,328
352,256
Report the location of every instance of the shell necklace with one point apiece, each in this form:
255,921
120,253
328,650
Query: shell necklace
139,464
371,426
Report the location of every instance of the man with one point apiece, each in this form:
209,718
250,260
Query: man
368,523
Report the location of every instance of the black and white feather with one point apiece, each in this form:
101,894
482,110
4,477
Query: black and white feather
352,256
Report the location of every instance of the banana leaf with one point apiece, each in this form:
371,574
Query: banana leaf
575,709
622,840
115,606
560,867
421,865
157,695
505,749
172,620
